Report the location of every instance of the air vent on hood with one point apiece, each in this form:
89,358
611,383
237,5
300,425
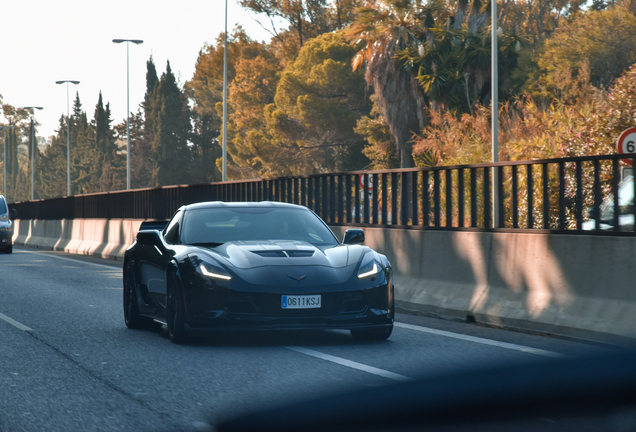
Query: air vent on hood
284,253
300,253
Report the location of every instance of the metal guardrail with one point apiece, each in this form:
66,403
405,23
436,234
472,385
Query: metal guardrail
557,195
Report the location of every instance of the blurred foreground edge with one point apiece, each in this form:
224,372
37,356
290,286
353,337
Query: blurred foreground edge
571,394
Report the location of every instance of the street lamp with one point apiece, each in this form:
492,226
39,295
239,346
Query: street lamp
68,137
224,176
136,42
32,108
4,190
494,114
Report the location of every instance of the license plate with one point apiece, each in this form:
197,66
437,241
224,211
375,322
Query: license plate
300,302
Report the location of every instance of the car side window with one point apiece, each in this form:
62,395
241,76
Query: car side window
171,234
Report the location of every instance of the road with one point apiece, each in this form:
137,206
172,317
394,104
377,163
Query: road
68,362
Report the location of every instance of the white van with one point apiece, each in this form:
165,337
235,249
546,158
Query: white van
6,226
625,204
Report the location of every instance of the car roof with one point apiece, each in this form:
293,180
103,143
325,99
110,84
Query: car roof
222,204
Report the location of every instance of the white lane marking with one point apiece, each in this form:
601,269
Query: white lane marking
112,268
14,323
349,363
479,340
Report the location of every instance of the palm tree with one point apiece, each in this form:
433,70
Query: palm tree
454,58
383,28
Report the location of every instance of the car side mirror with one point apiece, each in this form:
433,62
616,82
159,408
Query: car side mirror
13,214
353,236
149,237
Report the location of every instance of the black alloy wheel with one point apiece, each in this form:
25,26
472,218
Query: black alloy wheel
364,334
176,311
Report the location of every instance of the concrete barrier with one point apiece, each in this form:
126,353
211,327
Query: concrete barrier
97,237
570,285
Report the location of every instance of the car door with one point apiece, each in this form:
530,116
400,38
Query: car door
153,269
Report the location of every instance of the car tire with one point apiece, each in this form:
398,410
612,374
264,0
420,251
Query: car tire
9,249
131,307
376,334
176,312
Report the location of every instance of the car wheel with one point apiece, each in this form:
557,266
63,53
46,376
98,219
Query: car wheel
176,312
9,249
372,334
131,308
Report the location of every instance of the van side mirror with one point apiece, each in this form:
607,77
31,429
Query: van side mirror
13,214
353,236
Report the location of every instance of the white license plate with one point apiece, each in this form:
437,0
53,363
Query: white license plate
300,302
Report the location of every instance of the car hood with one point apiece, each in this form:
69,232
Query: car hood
245,255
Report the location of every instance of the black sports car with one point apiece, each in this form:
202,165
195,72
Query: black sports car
260,265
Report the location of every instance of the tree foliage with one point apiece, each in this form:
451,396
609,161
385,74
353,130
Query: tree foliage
305,18
318,102
408,83
381,29
171,132
605,39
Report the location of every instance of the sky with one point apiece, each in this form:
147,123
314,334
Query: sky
44,41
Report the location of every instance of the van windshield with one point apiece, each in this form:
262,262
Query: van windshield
3,206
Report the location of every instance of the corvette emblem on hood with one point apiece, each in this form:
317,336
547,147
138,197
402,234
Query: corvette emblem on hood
300,278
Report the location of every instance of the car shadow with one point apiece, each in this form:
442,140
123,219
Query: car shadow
266,338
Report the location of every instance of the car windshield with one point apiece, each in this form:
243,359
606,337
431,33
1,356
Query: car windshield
3,207
214,226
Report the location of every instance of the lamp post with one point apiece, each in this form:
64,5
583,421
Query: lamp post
494,115
224,178
32,108
4,190
68,136
136,42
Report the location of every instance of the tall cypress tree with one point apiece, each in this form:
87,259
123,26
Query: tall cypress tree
172,130
13,165
150,98
53,165
142,131
104,152
82,151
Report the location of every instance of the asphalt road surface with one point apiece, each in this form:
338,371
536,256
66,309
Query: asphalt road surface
68,362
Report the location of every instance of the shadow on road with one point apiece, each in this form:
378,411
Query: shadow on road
264,338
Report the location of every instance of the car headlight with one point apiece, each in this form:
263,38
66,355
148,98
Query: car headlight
5,227
369,266
213,272
209,269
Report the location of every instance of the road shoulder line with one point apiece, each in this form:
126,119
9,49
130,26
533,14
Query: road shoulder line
475,339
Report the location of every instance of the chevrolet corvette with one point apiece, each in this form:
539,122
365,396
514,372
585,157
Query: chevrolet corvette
255,266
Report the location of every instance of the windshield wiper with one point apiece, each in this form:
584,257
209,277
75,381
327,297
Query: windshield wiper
206,244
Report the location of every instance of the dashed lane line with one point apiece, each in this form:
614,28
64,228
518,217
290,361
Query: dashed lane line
14,323
348,363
